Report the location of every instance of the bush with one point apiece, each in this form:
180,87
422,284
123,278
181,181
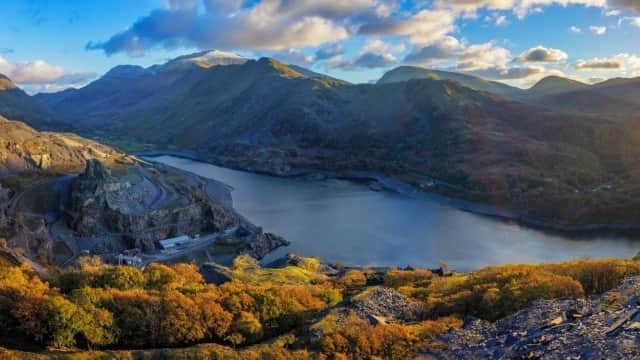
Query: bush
353,280
596,276
494,292
414,278
122,278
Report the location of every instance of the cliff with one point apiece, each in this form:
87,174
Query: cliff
144,205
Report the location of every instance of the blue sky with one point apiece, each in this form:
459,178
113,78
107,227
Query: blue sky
50,45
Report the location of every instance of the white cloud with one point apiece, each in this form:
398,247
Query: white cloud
624,64
295,57
424,28
519,7
635,22
542,54
375,53
613,13
501,20
39,72
575,29
270,25
482,57
598,30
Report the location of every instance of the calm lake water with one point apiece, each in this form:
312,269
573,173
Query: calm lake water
339,220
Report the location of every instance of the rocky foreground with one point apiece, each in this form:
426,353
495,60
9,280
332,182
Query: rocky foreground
601,327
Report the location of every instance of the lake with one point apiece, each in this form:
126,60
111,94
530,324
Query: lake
338,220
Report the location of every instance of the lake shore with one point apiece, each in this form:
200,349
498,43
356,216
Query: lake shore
387,183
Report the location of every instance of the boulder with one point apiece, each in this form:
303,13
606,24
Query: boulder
215,274
261,244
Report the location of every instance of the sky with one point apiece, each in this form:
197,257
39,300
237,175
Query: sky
49,45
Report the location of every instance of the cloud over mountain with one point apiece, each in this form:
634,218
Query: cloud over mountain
542,55
39,73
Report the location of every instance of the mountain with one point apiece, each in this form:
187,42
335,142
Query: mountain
16,104
205,59
126,91
405,73
615,98
538,158
24,149
554,85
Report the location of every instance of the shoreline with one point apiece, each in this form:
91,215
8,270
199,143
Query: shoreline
628,231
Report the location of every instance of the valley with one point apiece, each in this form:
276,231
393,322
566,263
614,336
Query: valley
104,254
540,154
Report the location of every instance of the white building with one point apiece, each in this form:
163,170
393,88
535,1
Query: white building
129,260
176,241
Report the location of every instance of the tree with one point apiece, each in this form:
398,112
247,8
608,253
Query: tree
123,278
180,319
159,276
65,322
248,327
214,318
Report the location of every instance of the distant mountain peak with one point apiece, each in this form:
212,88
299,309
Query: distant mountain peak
406,73
6,83
125,71
556,84
280,68
206,59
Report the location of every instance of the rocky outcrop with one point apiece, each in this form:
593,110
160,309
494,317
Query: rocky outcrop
5,195
603,327
153,207
25,149
261,244
215,274
32,235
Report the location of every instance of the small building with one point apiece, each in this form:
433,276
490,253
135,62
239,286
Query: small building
129,260
176,241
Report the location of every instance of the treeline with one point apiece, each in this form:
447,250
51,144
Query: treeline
103,306
95,306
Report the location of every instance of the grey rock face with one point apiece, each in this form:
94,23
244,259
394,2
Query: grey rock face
215,274
103,204
603,327
4,204
261,244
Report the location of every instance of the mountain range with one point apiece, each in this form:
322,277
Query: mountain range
560,150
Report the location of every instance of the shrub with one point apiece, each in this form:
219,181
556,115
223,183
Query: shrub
122,278
596,276
414,278
494,292
353,280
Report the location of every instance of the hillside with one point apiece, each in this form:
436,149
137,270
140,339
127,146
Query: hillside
16,104
614,99
24,149
554,85
406,73
540,160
